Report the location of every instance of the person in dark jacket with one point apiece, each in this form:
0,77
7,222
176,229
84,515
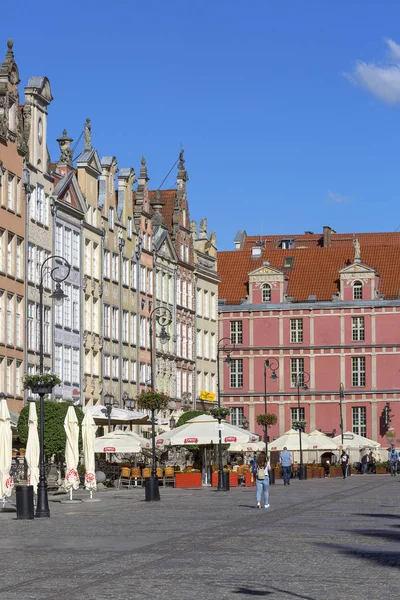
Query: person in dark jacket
344,463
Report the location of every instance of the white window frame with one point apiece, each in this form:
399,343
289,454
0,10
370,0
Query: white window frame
236,373
266,292
296,331
236,332
358,371
358,329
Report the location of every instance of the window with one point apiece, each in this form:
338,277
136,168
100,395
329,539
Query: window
236,332
237,373
107,365
107,264
111,218
95,364
75,308
296,330
129,228
57,361
10,247
133,275
67,364
237,416
125,326
59,237
359,420
199,343
115,363
297,372
125,272
296,414
206,304
358,370
75,365
199,306
358,329
142,331
31,325
149,282
10,376
178,291
133,332
357,290
19,258
266,292
133,371
206,346
184,293
46,329
18,322
68,245
2,237
67,306
114,267
10,320
95,315
114,323
10,192
125,369
95,261
107,320
190,342
288,262
18,378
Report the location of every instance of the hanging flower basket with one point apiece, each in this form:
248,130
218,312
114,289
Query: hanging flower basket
266,420
219,412
152,400
301,424
42,383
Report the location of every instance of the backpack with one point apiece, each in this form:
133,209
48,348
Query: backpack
261,473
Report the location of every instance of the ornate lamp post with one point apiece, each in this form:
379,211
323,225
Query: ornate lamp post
226,347
273,365
301,382
57,273
161,316
341,398
108,404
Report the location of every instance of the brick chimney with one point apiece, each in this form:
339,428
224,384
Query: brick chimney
327,237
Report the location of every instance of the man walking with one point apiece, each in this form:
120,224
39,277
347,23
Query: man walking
286,461
344,462
393,459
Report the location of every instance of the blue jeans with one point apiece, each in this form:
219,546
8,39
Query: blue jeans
262,484
286,474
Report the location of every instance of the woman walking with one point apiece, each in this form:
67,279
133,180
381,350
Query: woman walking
261,473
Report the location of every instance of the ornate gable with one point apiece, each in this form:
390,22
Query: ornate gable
267,284
358,275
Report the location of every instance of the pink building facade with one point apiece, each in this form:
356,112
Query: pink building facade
328,318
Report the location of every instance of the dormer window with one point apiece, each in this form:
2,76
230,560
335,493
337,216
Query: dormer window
256,251
357,290
288,262
266,293
287,244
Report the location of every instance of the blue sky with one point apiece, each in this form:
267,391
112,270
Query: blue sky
288,110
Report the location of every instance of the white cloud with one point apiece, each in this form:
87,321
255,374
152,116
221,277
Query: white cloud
334,198
380,79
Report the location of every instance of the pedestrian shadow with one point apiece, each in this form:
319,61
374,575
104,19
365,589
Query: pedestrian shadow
252,592
385,558
378,515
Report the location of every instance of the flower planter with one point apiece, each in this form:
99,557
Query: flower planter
42,389
233,479
278,473
188,480
335,472
249,479
380,470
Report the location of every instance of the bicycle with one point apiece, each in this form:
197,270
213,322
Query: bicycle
393,468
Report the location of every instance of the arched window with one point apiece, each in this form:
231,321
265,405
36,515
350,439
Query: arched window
266,293
357,290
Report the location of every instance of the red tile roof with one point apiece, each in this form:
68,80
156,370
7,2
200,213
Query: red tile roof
315,270
316,239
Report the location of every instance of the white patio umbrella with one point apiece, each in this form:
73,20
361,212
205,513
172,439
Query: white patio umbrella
123,442
89,429
71,451
354,443
32,447
203,431
118,415
290,440
6,481
247,447
320,442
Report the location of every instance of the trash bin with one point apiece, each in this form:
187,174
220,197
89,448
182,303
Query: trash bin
24,501
225,481
271,476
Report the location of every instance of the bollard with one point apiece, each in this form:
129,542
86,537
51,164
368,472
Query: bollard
24,501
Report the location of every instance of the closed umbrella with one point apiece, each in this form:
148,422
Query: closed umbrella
71,450
89,429
6,481
32,447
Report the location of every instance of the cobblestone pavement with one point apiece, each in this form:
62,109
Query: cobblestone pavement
320,540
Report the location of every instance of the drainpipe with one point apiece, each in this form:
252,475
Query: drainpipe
121,244
27,188
138,254
195,343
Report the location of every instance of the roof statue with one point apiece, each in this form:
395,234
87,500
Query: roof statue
203,229
193,230
88,135
357,256
65,147
182,173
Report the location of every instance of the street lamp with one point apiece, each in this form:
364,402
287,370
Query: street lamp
225,346
273,365
162,316
108,403
301,382
129,403
341,398
57,273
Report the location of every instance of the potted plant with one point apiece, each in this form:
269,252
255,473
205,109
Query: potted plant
381,468
152,400
22,451
42,383
219,412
